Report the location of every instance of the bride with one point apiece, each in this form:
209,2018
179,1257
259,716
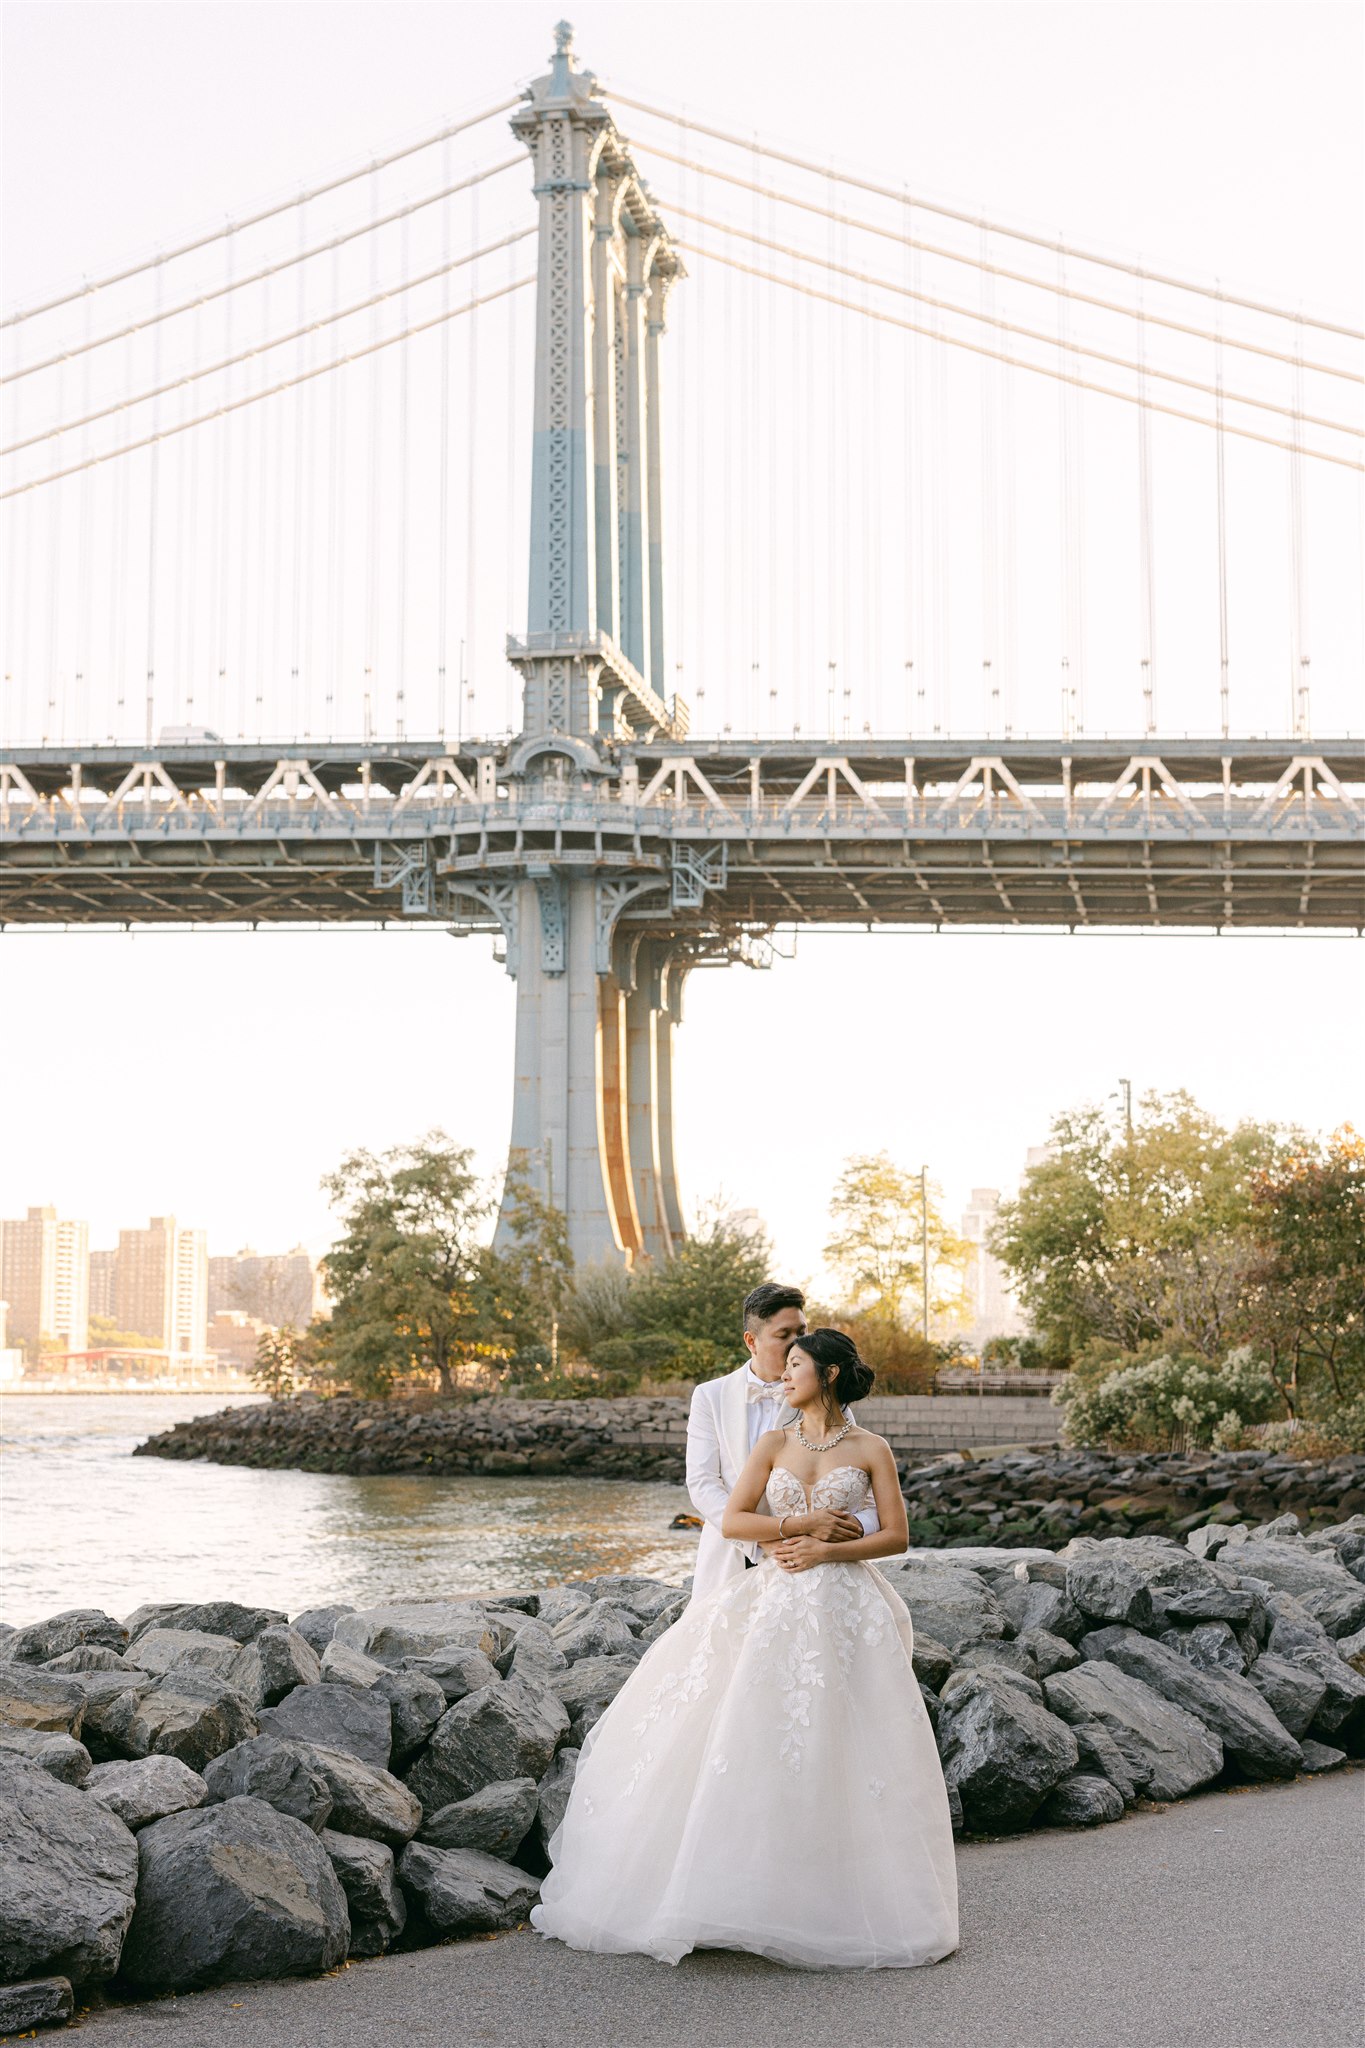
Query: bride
767,1778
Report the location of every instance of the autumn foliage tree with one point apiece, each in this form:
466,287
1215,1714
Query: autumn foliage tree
1303,1304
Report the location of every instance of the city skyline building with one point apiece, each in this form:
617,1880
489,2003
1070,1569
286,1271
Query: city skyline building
103,1283
162,1285
989,1304
274,1288
45,1278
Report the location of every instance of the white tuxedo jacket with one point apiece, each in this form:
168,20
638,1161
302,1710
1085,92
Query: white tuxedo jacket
717,1452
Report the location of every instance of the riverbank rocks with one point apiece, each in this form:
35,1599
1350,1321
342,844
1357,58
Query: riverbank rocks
416,1628
377,1907
552,1797
61,1756
185,1713
951,1604
1228,1705
237,1891
507,1730
496,1819
338,1716
146,1789
462,1891
587,1689
1003,1752
1080,1801
365,1801
457,1671
285,1658
278,1772
42,1700
68,1874
75,1629
1167,1752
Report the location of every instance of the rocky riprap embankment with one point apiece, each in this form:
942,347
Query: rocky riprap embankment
1046,1497
209,1792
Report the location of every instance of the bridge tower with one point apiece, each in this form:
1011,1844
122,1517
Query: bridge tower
597,1000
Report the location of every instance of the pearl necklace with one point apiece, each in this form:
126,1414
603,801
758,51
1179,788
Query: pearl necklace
828,1445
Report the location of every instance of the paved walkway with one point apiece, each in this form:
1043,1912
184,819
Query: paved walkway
1233,1918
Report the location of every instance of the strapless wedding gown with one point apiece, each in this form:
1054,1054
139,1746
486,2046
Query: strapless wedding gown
766,1779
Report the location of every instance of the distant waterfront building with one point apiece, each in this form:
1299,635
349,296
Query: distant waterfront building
103,1283
162,1286
11,1358
45,1278
991,1309
233,1338
274,1288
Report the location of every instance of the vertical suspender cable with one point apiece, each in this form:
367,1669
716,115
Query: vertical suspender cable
749,488
990,532
443,473
154,477
52,660
264,443
187,554
1145,565
1220,445
334,714
779,664
218,587
471,597
372,535
298,714
401,648
84,570
909,457
874,537
1298,681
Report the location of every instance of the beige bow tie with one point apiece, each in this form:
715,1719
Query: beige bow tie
767,1390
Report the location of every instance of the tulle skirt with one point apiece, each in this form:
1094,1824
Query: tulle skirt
767,1780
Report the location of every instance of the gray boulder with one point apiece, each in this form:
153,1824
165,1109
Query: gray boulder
153,1614
645,1598
1341,1711
343,1665
561,1603
42,1640
68,1871
1002,1752
552,1797
188,1714
1168,1752
462,1891
1099,1756
587,1689
416,1704
378,1909
42,2002
235,1664
228,1618
1292,1627
88,1657
1229,1706
237,1891
1001,1674
508,1730
1032,1604
61,1756
1011,1656
602,1632
287,1659
532,1653
950,1604
47,1701
338,1716
457,1671
1351,1650
365,1801
496,1819
1293,1692
1109,1588
414,1628
316,1624
1325,1588
146,1788
664,1619
110,1699
281,1773
932,1661
1320,1756
1209,1646
1049,1653
1080,1801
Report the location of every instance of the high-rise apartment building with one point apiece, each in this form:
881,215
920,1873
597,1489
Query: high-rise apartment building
162,1286
991,1308
103,1272
271,1287
45,1278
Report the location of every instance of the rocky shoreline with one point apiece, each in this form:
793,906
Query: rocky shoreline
211,1792
1036,1496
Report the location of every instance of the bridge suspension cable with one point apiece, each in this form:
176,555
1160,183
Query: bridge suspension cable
267,271
217,412
1071,250
1014,362
1002,325
260,348
251,220
976,262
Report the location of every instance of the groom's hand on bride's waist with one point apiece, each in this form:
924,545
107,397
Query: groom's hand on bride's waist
826,1525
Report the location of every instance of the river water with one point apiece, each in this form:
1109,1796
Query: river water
85,1524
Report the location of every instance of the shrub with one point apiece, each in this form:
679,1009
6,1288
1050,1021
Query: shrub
1179,1399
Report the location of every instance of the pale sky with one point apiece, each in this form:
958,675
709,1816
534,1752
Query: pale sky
218,1076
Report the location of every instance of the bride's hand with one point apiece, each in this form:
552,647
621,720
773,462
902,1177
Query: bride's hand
830,1525
799,1553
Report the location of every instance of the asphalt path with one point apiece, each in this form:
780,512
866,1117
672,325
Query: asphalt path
1233,1918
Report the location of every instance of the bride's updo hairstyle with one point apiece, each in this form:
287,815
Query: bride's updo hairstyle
844,1375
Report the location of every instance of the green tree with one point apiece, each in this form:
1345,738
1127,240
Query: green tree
1129,1238
276,1369
685,1314
876,1246
106,1336
1302,1307
415,1289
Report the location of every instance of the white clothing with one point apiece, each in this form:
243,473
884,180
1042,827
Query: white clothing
723,1426
766,1780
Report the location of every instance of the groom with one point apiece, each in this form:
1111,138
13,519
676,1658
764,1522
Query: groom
727,1418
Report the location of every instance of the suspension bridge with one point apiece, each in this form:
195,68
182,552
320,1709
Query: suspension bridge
255,486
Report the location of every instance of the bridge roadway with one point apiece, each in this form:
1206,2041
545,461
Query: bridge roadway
722,840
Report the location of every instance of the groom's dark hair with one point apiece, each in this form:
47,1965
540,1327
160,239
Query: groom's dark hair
765,1301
